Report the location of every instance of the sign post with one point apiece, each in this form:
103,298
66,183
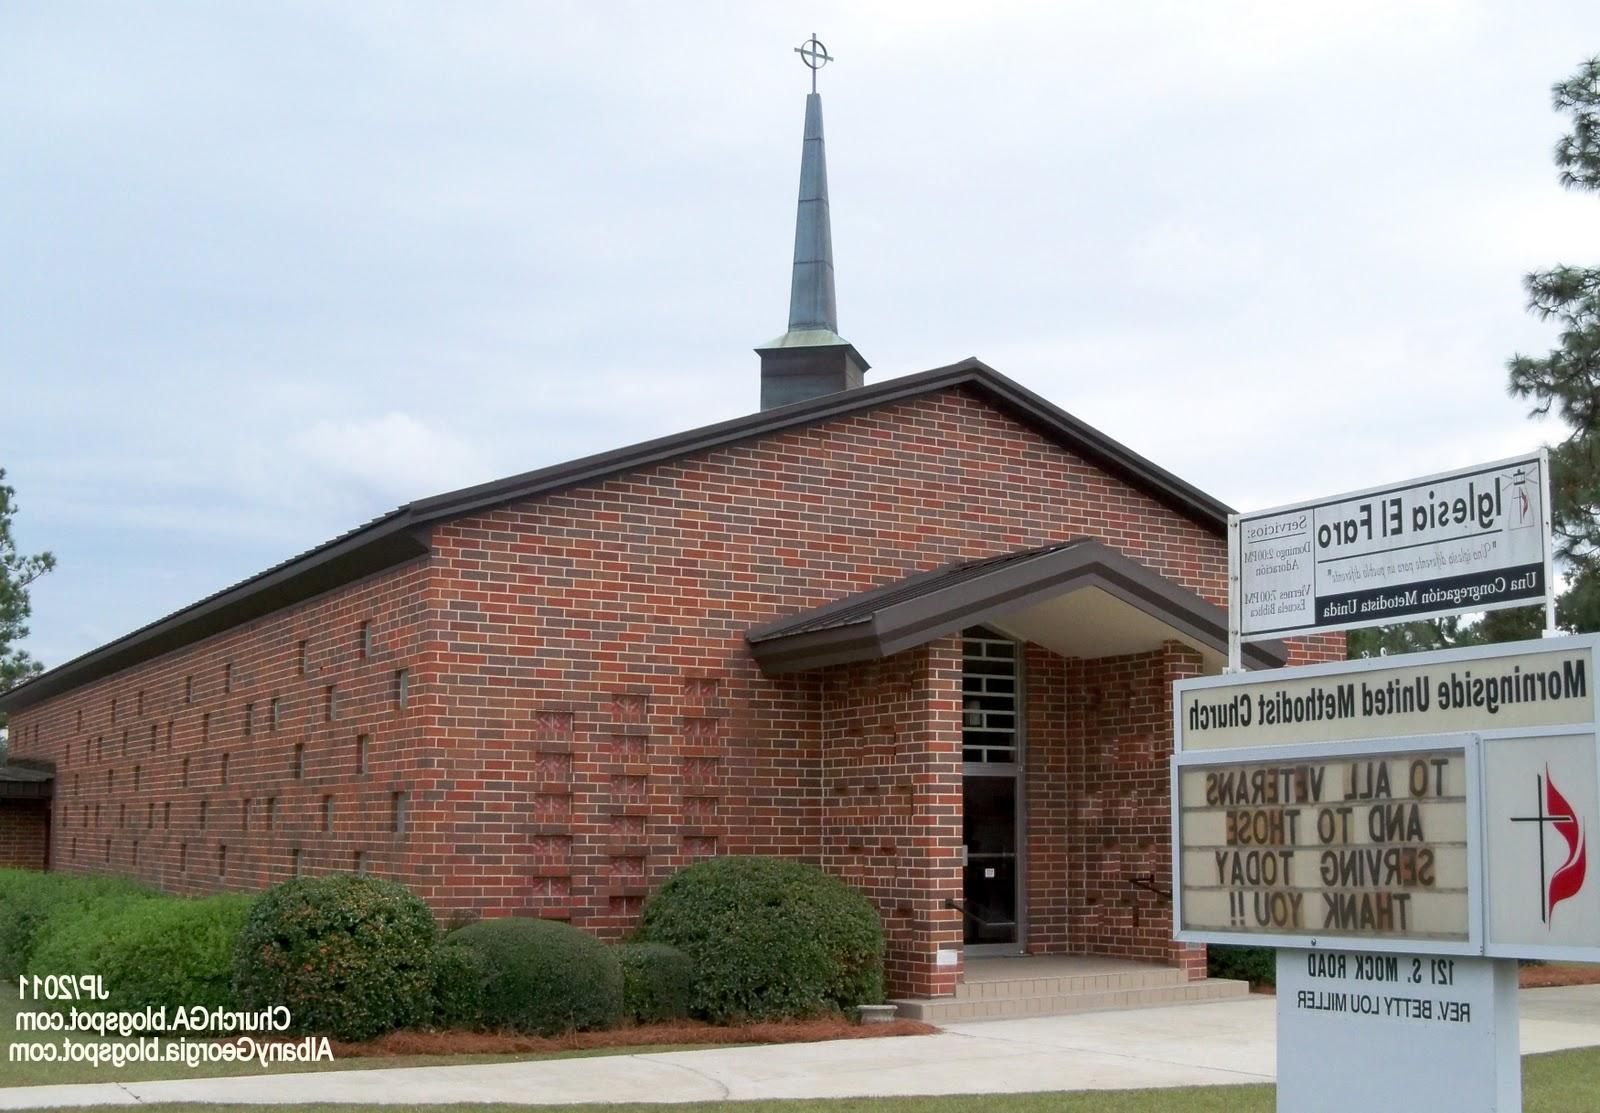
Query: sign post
1369,1031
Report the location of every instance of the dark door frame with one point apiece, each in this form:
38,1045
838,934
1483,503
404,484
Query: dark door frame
1017,771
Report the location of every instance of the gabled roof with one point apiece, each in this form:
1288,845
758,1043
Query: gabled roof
908,612
403,534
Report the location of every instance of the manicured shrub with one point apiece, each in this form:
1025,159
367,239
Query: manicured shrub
460,975
769,938
1256,965
543,977
351,957
657,982
29,899
167,952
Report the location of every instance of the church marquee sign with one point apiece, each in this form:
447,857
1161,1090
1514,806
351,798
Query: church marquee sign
1436,803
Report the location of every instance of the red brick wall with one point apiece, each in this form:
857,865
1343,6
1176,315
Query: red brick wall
614,608
891,802
1099,770
584,715
24,834
1048,759
140,788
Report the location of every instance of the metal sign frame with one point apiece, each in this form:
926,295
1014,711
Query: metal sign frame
1470,746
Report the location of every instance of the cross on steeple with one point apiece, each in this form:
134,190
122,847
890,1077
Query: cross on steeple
815,55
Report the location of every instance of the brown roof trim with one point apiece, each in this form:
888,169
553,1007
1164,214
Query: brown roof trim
971,373
379,545
909,612
404,534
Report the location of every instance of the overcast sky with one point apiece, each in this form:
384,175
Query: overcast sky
270,269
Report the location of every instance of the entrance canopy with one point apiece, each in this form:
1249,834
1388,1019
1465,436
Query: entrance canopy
25,782
1079,599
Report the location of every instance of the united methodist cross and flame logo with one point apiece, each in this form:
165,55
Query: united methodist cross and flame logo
1520,501
1554,811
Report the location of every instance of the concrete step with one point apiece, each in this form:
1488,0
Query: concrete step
1061,985
939,1010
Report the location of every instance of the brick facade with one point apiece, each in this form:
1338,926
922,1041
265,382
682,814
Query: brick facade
213,767
582,716
24,834
891,801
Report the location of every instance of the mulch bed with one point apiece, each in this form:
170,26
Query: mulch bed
642,1035
1558,973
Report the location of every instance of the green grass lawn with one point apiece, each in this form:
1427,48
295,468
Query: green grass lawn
49,1074
1561,1082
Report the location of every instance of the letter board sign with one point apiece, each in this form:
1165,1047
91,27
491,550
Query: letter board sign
1371,843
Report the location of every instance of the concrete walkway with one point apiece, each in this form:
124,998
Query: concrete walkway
1206,1044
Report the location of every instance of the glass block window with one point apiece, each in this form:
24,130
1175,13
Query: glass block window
988,698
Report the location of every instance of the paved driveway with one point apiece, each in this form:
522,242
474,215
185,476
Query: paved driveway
1208,1044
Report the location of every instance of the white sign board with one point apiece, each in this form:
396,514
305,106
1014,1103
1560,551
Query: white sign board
1515,685
1371,843
1380,1031
1470,540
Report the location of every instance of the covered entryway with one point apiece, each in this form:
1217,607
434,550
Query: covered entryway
995,736
25,794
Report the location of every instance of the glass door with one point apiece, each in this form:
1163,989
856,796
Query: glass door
991,739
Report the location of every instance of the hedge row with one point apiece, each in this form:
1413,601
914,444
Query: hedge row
151,952
727,939
28,901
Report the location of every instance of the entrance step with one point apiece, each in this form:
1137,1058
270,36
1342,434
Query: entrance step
996,989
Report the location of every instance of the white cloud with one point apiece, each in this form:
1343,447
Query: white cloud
396,455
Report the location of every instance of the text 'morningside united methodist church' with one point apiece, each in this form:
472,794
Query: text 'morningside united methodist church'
921,633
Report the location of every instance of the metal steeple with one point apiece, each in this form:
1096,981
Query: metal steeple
811,298
811,358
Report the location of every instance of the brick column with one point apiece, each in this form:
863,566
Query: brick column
891,790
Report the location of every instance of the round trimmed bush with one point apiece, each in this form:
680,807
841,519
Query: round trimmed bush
460,975
29,901
657,982
544,977
769,937
351,957
164,952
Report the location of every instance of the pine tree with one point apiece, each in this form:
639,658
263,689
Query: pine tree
1567,381
16,573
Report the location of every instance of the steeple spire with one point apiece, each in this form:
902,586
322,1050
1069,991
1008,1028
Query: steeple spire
810,359
811,298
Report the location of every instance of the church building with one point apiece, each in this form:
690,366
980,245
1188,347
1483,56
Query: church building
920,632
